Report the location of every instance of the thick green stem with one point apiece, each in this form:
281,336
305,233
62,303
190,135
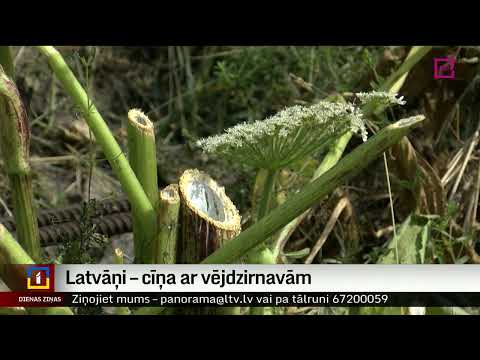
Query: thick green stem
14,146
143,160
25,215
165,248
142,152
263,201
6,61
347,168
268,191
103,135
12,253
262,254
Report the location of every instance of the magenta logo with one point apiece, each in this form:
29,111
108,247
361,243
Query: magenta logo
444,68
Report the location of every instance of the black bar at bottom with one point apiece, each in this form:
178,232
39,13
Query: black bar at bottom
272,299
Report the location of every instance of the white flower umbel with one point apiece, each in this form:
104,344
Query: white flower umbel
278,141
380,98
288,136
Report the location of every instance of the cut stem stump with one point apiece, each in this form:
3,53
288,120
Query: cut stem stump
208,220
208,217
143,160
165,247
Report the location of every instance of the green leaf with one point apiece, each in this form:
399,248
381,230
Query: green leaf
412,239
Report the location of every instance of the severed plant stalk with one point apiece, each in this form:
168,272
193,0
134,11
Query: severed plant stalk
12,253
208,217
142,152
165,246
347,168
208,221
14,146
143,160
130,184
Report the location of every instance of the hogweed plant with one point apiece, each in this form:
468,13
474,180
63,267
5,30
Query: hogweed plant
280,140
348,167
270,145
292,135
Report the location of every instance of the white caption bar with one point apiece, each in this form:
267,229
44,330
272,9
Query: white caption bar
267,278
